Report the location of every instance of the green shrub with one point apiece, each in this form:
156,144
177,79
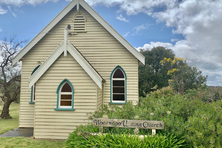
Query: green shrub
174,111
206,94
204,128
82,139
165,91
198,120
126,111
197,115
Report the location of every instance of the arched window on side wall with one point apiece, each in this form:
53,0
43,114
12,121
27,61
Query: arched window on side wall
118,86
65,96
33,88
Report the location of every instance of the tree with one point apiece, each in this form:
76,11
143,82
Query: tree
153,73
183,77
10,75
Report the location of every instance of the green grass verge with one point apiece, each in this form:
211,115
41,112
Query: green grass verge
9,124
21,142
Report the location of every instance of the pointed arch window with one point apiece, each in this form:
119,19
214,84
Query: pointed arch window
65,96
33,88
118,86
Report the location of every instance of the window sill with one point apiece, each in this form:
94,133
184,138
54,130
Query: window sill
31,102
112,103
64,109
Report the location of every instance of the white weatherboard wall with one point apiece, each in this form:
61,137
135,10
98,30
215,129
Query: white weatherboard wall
26,114
99,97
103,52
58,124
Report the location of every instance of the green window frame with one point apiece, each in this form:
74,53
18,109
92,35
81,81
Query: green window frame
32,101
117,85
61,94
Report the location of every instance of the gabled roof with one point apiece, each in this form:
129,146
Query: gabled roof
89,9
76,55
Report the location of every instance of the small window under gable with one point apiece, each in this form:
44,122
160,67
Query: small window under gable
79,21
65,96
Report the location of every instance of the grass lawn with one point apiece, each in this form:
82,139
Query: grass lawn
21,142
9,124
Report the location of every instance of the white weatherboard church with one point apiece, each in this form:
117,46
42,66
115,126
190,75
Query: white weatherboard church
74,65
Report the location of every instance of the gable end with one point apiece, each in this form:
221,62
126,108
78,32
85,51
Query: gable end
62,14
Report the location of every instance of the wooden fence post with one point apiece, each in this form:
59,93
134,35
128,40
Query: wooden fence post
101,129
153,132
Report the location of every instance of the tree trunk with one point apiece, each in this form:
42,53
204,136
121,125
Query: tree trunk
5,111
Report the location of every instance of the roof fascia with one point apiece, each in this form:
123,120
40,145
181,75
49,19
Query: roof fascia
112,31
44,67
34,41
85,65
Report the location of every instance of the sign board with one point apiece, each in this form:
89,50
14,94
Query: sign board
124,123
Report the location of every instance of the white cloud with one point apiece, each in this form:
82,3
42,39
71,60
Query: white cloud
3,11
141,27
1,30
25,2
214,77
107,3
121,18
198,21
125,35
9,8
155,44
134,6
174,40
19,3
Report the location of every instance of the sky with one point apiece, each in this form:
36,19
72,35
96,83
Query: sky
191,28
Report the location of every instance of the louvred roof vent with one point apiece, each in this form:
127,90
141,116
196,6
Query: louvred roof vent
79,22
